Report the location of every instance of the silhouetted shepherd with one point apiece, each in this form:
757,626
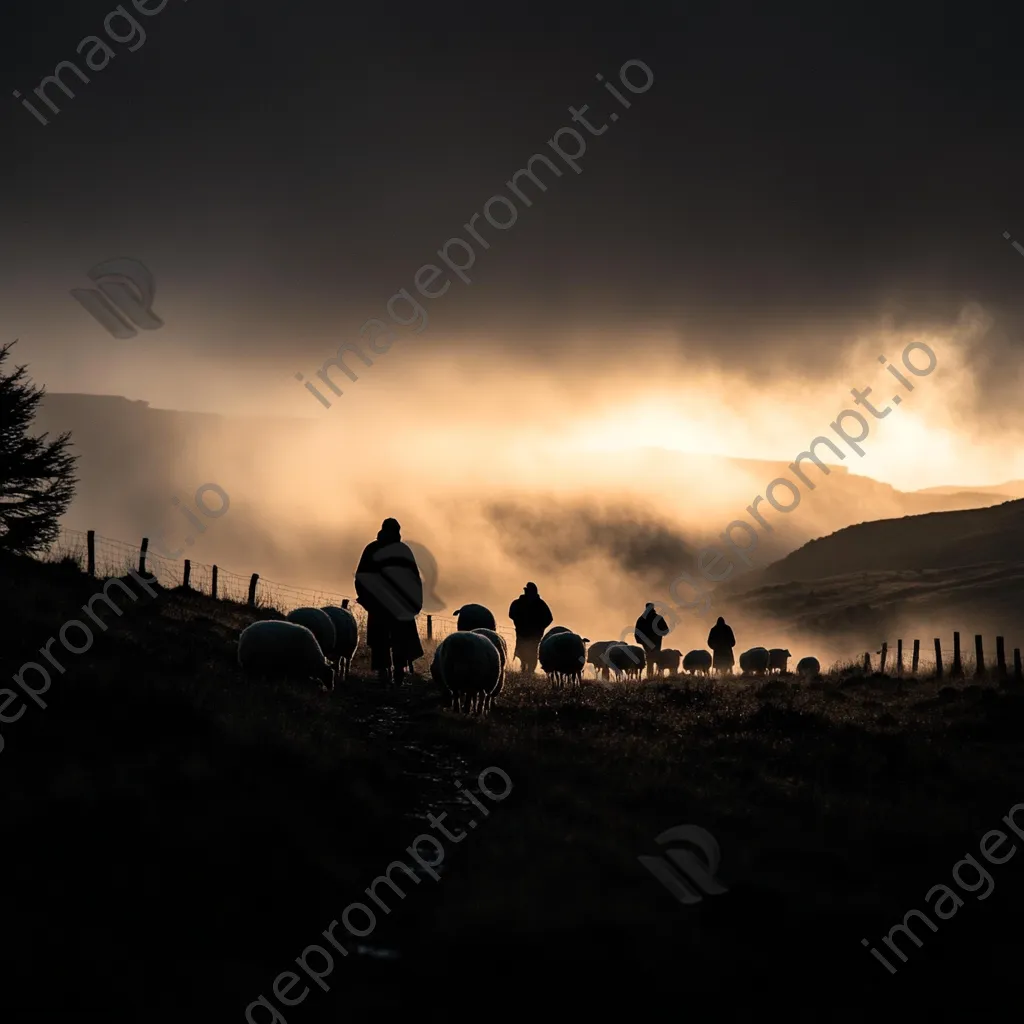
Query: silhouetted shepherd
389,587
649,630
531,616
721,641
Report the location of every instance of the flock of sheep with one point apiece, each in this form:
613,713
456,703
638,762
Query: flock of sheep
310,643
469,665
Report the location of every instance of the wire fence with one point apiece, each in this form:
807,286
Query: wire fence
114,557
947,656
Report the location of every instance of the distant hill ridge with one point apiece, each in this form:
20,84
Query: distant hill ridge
933,540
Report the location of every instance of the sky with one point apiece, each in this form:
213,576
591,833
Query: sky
794,188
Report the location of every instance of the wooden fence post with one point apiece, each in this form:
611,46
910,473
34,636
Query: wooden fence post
916,657
188,573
90,549
1018,674
884,651
979,658
899,657
867,661
430,627
938,659
252,589
142,556
957,669
1000,658
213,582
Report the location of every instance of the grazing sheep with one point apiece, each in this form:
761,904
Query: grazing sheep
639,662
467,667
667,660
283,649
562,656
809,667
499,642
346,634
778,659
626,658
474,616
755,660
698,662
595,657
319,623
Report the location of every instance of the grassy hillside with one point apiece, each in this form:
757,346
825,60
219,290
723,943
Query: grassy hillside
176,836
936,540
856,611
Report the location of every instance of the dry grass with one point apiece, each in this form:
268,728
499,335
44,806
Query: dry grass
177,830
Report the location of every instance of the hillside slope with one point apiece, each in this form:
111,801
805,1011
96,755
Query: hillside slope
935,540
176,835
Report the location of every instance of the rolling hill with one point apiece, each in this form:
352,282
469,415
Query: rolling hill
935,540
918,576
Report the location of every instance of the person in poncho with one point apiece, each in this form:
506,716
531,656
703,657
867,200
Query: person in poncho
389,587
721,641
531,616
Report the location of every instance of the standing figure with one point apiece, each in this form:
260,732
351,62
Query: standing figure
721,641
649,630
531,616
389,587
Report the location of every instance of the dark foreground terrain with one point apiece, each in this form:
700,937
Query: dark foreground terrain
174,837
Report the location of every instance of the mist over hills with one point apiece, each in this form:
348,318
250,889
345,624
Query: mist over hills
1011,489
303,502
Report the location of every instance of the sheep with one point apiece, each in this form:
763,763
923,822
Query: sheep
755,660
778,659
467,667
562,656
636,671
595,657
809,667
346,631
499,642
286,649
667,659
474,616
698,662
319,624
626,658
553,630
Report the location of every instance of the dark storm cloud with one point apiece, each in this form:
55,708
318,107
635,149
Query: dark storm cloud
789,175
